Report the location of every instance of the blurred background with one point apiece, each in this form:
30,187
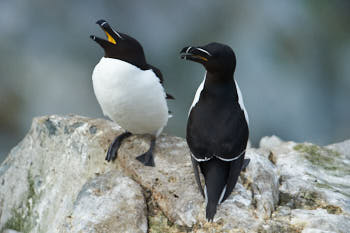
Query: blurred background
292,60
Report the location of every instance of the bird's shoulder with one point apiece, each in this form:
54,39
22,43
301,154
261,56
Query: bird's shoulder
159,75
157,72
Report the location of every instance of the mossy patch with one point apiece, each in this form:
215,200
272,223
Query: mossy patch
307,200
23,217
285,199
17,222
332,209
324,158
318,156
338,188
302,200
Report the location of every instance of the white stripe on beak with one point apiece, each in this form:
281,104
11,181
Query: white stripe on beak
204,51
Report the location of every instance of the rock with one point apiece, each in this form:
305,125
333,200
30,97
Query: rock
43,176
104,205
314,185
174,189
319,220
342,148
10,231
262,179
56,180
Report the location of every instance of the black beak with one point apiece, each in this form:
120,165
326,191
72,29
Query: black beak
103,43
112,35
196,54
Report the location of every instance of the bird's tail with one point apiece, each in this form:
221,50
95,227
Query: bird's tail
215,174
210,211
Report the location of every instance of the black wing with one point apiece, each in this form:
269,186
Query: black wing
196,175
160,77
235,170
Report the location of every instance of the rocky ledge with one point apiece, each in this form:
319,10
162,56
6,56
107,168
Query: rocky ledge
56,180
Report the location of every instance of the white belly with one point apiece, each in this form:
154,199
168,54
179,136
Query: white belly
131,97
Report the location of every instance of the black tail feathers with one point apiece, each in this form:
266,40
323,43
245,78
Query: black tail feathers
211,211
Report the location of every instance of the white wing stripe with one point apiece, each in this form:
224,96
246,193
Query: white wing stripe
200,160
222,195
206,195
198,94
234,158
226,160
241,104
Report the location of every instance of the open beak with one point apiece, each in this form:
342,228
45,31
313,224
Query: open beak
112,35
196,54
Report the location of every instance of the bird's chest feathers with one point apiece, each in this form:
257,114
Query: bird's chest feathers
218,113
123,88
120,76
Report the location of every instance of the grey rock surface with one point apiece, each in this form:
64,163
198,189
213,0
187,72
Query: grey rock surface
110,202
43,176
56,180
314,185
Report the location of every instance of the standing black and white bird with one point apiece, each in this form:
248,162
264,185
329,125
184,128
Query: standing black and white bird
129,90
217,127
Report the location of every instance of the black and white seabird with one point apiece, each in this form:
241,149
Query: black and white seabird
129,90
217,127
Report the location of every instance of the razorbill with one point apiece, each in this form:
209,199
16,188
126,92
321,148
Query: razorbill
129,90
217,127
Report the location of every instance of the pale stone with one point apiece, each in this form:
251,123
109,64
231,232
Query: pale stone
56,180
42,177
111,202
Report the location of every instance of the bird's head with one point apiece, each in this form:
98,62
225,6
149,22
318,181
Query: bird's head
120,46
215,57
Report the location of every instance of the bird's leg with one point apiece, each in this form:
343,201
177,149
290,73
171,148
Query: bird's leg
147,158
112,152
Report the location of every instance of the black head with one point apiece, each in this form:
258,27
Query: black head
120,46
215,57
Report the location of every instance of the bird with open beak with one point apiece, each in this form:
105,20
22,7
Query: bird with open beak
129,90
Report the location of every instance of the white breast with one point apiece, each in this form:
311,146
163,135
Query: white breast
131,97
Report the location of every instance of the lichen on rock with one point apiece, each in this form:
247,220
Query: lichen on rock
24,216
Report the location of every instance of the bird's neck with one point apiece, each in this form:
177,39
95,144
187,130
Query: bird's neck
220,85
